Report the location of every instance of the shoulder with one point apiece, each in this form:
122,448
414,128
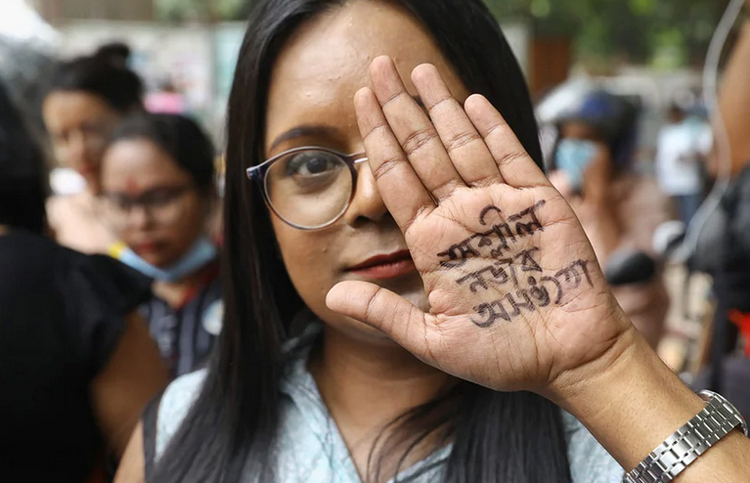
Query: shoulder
77,223
33,258
59,208
27,243
589,461
175,405
102,280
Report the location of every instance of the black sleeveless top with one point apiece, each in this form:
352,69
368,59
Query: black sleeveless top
61,316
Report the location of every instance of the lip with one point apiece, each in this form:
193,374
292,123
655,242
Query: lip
383,267
145,248
86,169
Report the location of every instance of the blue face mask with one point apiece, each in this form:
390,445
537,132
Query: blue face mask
573,156
201,253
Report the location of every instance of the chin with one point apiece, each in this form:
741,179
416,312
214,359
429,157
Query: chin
412,289
363,333
154,260
418,299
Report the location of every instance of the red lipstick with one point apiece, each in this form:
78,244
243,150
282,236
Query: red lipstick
383,267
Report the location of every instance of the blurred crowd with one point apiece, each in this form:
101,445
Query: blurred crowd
110,288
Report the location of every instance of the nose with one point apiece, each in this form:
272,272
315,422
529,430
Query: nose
76,149
138,217
367,204
77,145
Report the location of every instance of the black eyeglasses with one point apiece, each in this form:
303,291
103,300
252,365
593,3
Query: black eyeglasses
164,205
309,188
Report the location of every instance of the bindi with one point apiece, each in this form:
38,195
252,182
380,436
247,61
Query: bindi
131,186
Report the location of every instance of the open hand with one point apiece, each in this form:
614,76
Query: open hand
516,295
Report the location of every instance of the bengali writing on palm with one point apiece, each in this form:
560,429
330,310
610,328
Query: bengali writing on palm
513,279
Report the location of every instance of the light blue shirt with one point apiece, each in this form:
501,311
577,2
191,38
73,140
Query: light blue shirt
311,449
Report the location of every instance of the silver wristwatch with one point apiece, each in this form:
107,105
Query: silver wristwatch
715,421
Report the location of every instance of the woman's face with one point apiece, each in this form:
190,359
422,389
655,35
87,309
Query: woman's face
310,103
152,203
79,124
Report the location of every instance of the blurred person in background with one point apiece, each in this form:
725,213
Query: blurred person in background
619,210
159,193
77,365
87,99
683,146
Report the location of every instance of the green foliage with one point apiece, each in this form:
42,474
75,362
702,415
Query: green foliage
665,33
202,10
180,10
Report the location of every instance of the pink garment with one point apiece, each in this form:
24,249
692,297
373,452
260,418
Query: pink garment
165,103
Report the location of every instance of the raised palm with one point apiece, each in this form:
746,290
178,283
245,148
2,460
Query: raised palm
516,295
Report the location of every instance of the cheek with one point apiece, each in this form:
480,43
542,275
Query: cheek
190,224
95,150
310,258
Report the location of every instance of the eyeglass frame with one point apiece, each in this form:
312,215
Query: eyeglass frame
178,192
259,174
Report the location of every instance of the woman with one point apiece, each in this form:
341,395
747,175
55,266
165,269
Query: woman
158,190
87,99
619,209
76,363
343,402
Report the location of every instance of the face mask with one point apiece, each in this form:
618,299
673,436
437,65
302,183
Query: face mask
202,252
573,156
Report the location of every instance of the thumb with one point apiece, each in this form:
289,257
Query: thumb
383,310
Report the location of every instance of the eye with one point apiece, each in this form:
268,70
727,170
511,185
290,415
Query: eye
160,197
313,164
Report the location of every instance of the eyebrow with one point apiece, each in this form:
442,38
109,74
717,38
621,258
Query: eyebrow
313,130
316,130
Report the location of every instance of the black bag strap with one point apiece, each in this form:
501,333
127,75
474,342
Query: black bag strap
148,421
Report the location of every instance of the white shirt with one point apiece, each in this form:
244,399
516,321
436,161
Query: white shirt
680,148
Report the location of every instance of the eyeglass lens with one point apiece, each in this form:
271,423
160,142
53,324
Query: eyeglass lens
309,188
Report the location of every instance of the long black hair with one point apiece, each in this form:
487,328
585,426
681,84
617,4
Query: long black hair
178,136
497,437
23,188
104,74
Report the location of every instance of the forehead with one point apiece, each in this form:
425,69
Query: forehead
138,160
326,61
74,107
579,130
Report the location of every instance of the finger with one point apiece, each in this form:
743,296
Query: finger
383,310
516,166
466,148
414,130
400,187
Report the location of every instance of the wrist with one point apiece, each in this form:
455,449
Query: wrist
629,399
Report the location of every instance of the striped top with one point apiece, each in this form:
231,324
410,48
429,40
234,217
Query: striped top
186,334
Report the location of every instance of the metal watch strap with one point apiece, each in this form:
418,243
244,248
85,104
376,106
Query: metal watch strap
715,421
